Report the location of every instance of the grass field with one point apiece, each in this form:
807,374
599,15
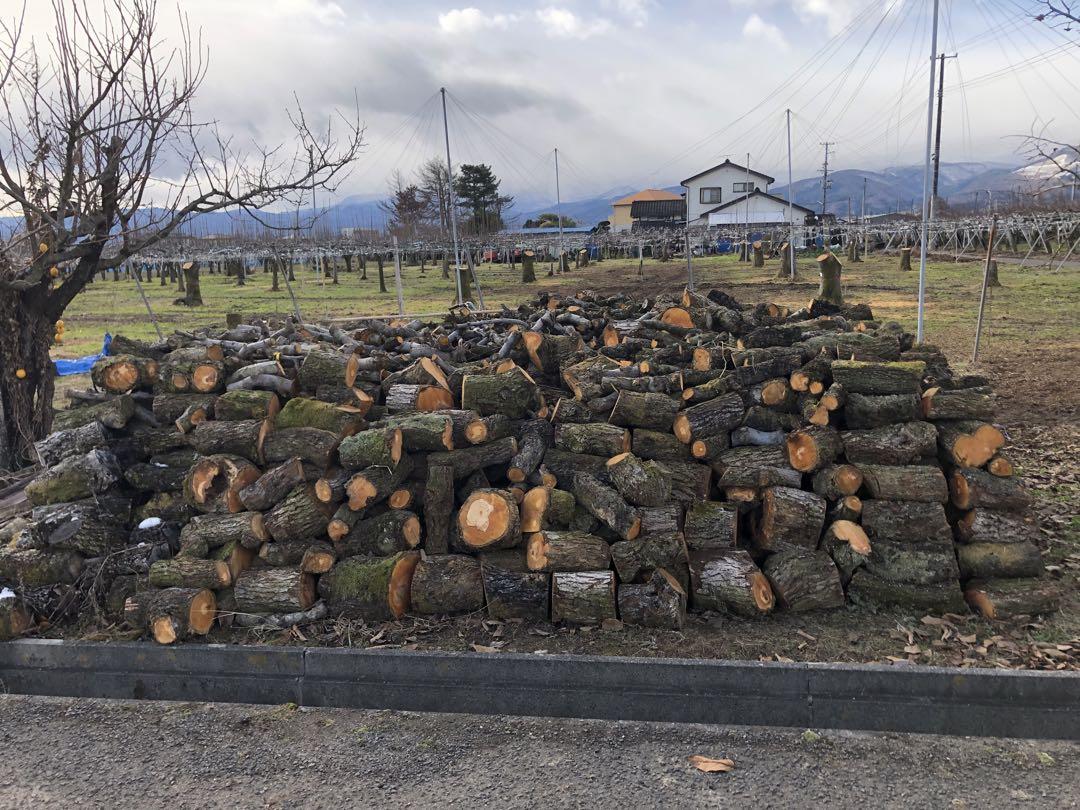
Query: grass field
1030,351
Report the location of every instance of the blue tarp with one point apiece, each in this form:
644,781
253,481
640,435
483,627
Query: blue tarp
82,365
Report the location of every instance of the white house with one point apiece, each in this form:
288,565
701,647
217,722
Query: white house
718,186
756,209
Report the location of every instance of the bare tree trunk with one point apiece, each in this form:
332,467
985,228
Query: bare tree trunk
193,297
275,266
382,276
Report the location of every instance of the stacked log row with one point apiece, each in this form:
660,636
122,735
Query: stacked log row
578,460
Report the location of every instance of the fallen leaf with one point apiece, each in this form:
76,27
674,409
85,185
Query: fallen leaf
710,765
805,635
483,648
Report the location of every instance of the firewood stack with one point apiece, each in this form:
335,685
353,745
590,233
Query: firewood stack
575,460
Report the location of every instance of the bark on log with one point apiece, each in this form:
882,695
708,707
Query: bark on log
64,444
378,447
659,603
34,567
546,507
994,526
438,508
447,584
965,403
370,588
913,483
467,460
403,398
848,545
594,438
999,560
274,590
214,483
938,597
640,483
905,443
804,580
189,572
656,446
535,438
644,410
837,481
905,521
607,506
244,405
381,536
205,532
112,413
316,447
272,486
301,516
974,489
177,613
243,438
922,562
75,478
864,411
969,443
1006,598
636,558
583,597
789,517
755,467
727,580
711,525
567,551
710,418
511,590
168,408
861,377
811,448
512,393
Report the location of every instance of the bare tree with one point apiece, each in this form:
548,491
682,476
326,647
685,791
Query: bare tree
1059,13
1054,165
102,157
435,192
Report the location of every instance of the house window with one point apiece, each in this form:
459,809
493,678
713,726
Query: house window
710,196
742,188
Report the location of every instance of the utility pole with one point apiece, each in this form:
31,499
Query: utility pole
450,197
825,177
925,228
865,230
790,205
746,190
937,137
558,208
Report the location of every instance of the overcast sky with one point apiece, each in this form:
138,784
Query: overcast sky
634,92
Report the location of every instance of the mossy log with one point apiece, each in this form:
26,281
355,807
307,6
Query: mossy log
964,403
316,447
547,352
848,545
272,486
75,478
789,517
242,438
924,483
89,527
804,580
489,519
1005,598
34,567
381,536
999,560
512,393
173,614
301,516
974,489
864,411
205,532
214,483
728,580
190,572
274,590
813,447
641,483
425,432
511,590
658,603
567,551
711,525
545,508
378,447
244,405
607,506
938,597
904,443
323,367
583,597
447,584
593,438
342,420
438,508
920,562
370,588
113,413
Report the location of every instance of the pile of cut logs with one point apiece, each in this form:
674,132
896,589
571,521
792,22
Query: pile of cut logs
576,460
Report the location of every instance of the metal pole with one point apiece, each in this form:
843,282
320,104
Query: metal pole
790,204
397,278
925,229
558,209
450,197
865,234
937,136
746,189
985,285
689,252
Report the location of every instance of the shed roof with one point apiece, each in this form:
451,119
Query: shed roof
647,194
658,209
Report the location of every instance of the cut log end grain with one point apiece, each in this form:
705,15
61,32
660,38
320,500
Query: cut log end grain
192,614
488,518
677,316
971,446
852,534
1000,466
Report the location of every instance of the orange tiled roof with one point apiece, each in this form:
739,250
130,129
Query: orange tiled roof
648,194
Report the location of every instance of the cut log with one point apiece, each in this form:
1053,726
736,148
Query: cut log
811,448
112,413
594,438
410,495
727,580
214,483
301,516
848,545
804,580
547,352
488,428
188,572
974,489
177,613
837,481
661,519
511,590
512,393
546,507
849,507
751,437
656,446
316,447
381,536
370,588
904,443
342,420
997,560
535,437
75,478
964,403
583,597
710,418
789,517
635,559
711,525
567,551
1006,598
968,443
607,506
994,526
124,373
191,376
88,527
35,568
402,398
377,447
467,460
659,603
640,483
905,521
938,597
374,484
64,444
1000,466
920,562
644,410
205,532
265,591
244,405
446,584
755,467
859,377
426,432
489,519
863,411
271,487
322,367
242,438
169,408
914,483
438,508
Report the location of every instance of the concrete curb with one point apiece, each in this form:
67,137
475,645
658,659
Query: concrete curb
866,697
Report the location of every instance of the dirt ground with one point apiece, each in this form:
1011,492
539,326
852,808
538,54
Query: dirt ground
121,754
1030,351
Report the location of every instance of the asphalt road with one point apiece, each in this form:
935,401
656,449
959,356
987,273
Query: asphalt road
120,754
